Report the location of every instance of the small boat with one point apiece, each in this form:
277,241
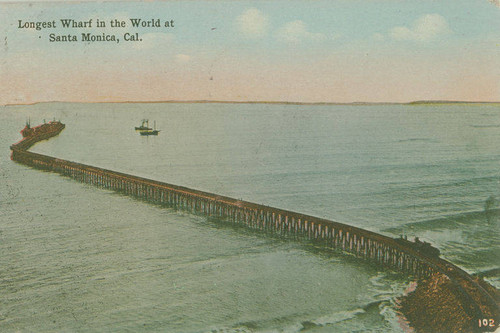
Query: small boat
144,126
150,131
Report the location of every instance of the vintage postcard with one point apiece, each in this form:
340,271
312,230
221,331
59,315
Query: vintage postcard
250,166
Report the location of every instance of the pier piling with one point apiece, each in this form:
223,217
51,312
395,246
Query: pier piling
371,246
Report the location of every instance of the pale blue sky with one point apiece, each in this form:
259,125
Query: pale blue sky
314,51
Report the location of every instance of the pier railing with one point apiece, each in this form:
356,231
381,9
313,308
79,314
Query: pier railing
362,243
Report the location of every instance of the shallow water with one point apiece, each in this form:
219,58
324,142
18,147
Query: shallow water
80,258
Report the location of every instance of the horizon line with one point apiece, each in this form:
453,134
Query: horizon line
416,102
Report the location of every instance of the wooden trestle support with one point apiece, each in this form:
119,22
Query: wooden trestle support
365,244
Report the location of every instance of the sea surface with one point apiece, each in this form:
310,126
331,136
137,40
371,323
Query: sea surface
77,258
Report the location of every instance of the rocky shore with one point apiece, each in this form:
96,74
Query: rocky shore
433,307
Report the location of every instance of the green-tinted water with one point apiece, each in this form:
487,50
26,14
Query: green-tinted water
79,258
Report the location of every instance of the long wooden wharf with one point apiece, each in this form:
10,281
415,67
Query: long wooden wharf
475,301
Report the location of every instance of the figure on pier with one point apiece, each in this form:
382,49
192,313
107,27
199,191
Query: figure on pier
423,247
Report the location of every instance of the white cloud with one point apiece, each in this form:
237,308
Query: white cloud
182,58
336,36
378,36
425,28
296,31
252,23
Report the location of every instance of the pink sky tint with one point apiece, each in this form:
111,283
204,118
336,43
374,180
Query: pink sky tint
321,51
369,77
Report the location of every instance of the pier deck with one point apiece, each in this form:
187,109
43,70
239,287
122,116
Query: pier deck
475,301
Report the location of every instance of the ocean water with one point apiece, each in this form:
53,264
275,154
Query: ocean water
76,258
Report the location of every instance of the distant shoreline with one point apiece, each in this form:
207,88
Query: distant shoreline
424,102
